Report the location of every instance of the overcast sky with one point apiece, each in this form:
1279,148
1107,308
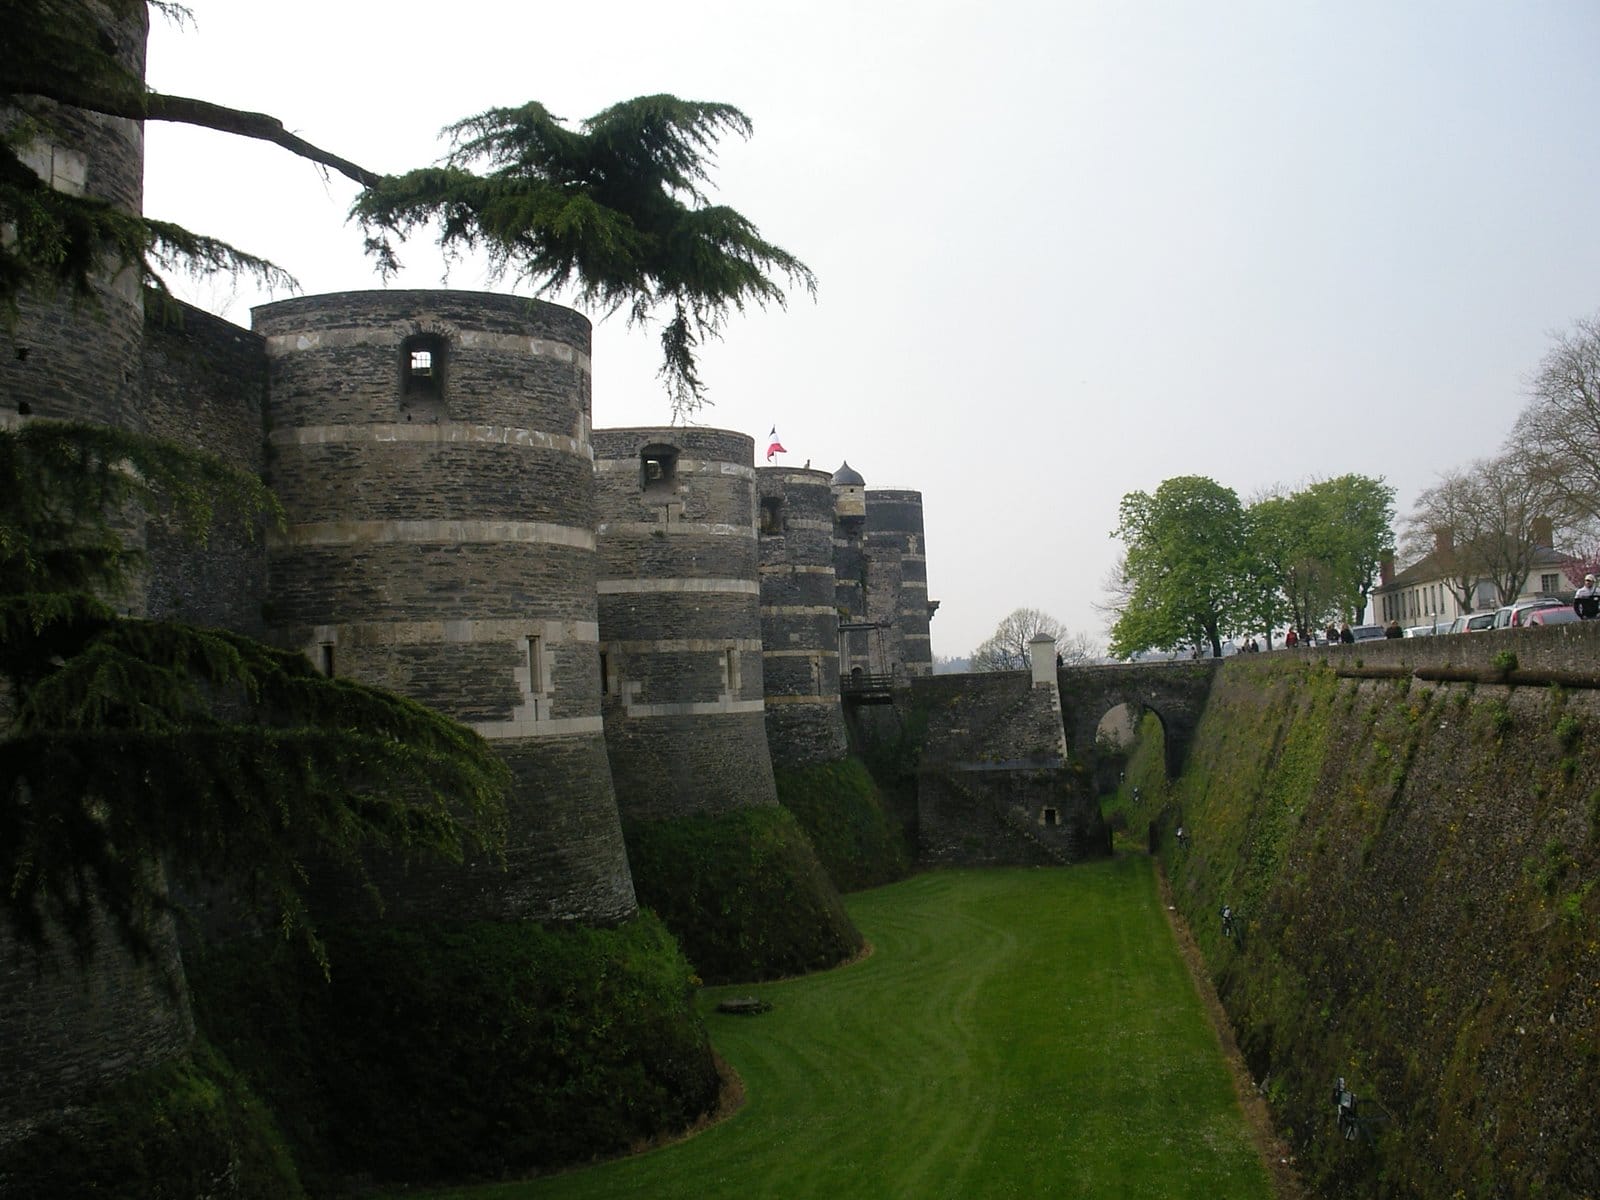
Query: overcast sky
1065,250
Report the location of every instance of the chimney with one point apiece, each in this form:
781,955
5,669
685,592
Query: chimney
1386,568
1542,533
1444,543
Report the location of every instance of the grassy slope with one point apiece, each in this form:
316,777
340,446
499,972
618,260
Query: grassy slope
1016,1033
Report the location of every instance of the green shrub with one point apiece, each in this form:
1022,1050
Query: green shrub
838,806
185,1128
458,1051
744,893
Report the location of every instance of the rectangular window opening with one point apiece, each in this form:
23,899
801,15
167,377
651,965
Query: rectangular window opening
536,665
1050,817
730,669
605,674
326,656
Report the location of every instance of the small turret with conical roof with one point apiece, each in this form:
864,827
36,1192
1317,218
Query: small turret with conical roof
849,493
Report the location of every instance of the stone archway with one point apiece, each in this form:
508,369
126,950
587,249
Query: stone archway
1175,692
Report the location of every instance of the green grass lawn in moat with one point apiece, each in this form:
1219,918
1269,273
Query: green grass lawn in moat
1016,1032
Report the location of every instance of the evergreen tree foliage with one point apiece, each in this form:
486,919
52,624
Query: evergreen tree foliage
615,208
127,745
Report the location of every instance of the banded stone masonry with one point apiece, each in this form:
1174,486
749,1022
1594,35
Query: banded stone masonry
431,449
680,621
799,617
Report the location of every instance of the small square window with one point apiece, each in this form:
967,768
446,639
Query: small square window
422,362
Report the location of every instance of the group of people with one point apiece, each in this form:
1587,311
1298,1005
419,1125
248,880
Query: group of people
1334,633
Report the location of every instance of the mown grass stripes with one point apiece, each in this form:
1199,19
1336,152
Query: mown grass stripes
1016,1033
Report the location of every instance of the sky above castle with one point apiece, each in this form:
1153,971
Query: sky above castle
1065,250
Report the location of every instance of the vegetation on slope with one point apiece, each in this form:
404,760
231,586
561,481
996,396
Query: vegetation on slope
1413,870
186,1128
838,806
452,1052
744,893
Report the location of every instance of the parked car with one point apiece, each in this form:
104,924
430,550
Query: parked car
1511,616
1472,623
1366,633
1549,616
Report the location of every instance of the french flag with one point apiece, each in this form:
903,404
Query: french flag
774,445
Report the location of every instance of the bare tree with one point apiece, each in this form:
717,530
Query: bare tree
1558,434
1007,648
1491,516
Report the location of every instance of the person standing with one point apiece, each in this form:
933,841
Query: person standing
1586,601
1393,630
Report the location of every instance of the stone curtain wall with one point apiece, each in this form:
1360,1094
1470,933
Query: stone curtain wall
680,621
443,546
991,786
205,387
799,618
1409,833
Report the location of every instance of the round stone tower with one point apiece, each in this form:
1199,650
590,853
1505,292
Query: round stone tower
898,577
69,1030
80,361
431,450
799,617
680,621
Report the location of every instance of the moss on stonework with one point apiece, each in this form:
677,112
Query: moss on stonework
186,1128
461,1051
838,806
744,893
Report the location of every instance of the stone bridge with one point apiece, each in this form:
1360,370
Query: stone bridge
1174,691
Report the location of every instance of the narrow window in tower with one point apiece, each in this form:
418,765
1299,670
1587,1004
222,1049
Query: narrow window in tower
326,655
605,674
730,673
536,665
1050,817
658,469
422,376
771,514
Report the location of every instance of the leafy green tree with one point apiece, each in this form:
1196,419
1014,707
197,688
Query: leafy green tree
126,743
1354,517
614,207
1187,566
1292,579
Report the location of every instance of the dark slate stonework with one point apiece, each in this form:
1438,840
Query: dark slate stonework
68,1030
80,361
64,1029
437,533
896,548
1175,691
991,787
204,385
799,617
680,621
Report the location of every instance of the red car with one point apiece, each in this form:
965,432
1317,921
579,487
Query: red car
1547,616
